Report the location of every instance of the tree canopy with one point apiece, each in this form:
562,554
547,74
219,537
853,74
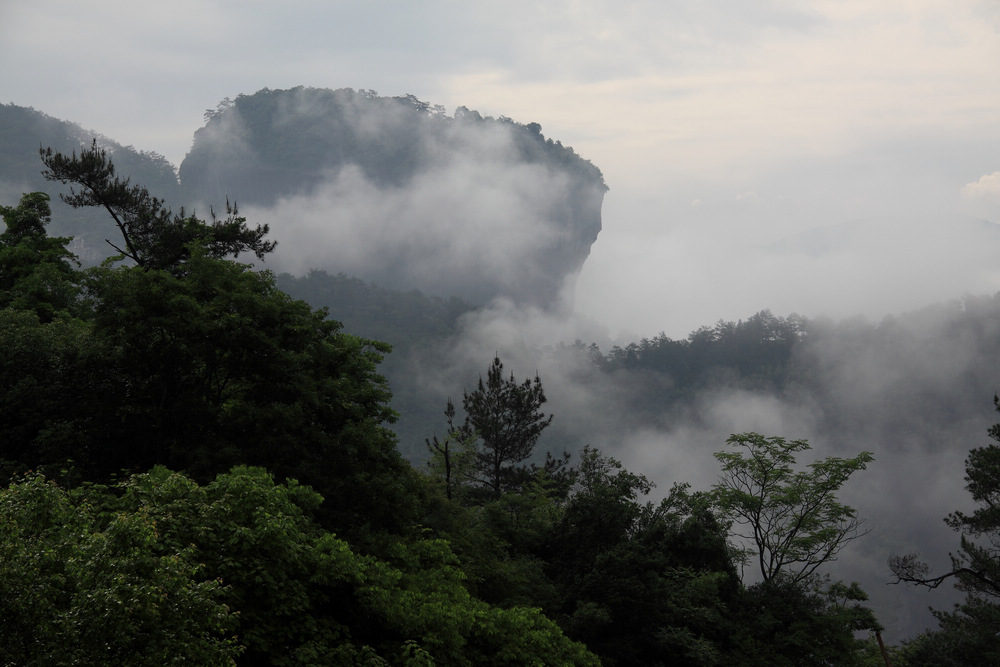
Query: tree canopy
204,469
506,416
36,271
792,519
152,236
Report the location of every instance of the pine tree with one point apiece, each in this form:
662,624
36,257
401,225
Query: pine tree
506,417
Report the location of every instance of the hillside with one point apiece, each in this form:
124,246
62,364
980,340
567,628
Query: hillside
24,130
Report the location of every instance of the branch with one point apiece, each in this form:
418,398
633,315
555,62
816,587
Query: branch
912,571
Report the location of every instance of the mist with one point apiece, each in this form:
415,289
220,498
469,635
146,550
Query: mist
915,390
893,365
395,191
835,160
669,263
457,225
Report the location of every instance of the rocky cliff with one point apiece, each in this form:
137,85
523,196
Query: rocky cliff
397,192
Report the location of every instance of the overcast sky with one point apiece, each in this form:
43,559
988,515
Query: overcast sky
721,127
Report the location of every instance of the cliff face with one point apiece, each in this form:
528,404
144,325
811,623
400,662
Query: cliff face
396,192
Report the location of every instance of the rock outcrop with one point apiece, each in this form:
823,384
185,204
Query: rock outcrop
395,191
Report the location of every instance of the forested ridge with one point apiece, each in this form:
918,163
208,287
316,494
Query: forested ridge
204,468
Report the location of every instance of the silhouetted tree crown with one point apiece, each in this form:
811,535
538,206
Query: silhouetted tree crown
152,236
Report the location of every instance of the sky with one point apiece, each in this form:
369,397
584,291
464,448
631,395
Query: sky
722,127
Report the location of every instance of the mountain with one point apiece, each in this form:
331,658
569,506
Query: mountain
24,130
394,191
388,189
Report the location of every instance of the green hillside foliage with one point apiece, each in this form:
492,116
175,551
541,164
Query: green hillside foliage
113,377
201,464
405,320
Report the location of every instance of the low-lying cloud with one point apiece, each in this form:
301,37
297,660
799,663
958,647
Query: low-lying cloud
463,228
915,390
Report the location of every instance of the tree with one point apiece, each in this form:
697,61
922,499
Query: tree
307,597
152,236
55,392
971,629
505,415
199,365
792,518
36,270
219,367
976,567
79,588
816,622
452,457
641,582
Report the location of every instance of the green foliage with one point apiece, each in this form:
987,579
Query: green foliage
809,622
203,370
416,325
23,130
966,635
452,459
36,271
256,536
757,352
200,363
305,596
794,524
80,588
977,565
792,519
641,583
153,237
53,388
406,320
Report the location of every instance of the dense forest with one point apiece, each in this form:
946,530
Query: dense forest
217,464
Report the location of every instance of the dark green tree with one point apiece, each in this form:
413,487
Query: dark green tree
37,271
218,367
307,597
194,361
641,583
46,350
451,457
152,236
793,523
780,623
505,415
970,630
55,393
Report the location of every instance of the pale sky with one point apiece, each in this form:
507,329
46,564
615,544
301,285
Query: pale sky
721,127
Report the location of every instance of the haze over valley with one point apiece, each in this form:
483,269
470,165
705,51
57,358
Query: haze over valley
687,222
914,388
